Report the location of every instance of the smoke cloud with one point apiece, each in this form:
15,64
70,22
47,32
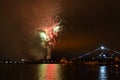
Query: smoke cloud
19,22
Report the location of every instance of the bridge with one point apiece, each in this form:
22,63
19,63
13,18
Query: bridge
101,54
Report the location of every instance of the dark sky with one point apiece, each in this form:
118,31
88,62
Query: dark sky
90,24
87,25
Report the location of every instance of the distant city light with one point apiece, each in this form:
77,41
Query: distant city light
6,62
104,55
22,60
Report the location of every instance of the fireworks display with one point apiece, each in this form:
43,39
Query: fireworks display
48,35
49,27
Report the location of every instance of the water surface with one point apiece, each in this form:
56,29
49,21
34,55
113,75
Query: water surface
57,72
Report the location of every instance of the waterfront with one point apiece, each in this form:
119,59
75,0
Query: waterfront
58,72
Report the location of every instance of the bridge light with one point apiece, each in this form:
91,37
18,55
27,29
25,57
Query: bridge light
102,47
104,55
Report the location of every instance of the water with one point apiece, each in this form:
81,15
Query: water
57,72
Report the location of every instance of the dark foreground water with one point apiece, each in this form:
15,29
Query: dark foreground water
57,72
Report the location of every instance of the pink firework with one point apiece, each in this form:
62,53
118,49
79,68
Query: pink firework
51,31
48,26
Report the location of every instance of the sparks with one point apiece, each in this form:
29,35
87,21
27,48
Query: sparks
43,36
50,33
48,26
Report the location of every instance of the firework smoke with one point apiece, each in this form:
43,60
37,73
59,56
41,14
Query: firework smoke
47,37
47,29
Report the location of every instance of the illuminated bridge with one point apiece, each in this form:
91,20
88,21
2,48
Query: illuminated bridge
101,54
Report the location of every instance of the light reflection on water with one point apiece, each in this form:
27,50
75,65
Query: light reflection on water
103,73
58,72
49,72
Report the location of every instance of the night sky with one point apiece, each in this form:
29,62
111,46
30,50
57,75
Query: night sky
88,24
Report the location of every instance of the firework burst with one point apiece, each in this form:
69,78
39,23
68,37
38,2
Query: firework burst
49,26
48,35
